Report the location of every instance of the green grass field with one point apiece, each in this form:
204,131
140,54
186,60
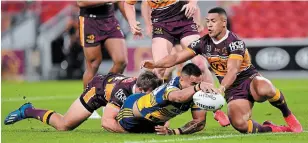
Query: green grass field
58,95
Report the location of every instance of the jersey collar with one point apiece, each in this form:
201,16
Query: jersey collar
222,39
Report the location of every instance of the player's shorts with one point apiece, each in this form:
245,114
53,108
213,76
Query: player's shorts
176,30
94,95
134,124
94,31
241,89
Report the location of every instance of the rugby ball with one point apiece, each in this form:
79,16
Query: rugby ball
208,101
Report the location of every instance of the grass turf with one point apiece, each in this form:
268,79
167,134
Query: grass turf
58,95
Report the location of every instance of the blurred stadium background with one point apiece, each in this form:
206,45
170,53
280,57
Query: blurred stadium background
39,39
40,43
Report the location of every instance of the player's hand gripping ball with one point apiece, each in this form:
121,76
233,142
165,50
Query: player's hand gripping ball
209,101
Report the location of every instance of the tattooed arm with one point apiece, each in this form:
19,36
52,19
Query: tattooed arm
196,125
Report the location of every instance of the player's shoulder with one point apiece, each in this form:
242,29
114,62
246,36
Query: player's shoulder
174,81
234,42
206,37
232,37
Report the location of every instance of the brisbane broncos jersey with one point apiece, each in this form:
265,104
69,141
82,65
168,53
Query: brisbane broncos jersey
156,107
218,52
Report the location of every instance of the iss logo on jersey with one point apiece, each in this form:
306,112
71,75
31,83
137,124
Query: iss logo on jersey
237,45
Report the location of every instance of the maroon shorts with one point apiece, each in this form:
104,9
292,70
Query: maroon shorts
94,31
241,90
93,96
174,31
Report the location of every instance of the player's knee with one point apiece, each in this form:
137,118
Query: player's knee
94,65
265,88
64,127
121,63
240,125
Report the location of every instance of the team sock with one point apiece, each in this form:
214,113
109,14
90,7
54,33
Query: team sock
254,127
39,114
279,102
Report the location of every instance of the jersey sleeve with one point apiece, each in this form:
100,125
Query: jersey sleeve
195,47
237,50
169,89
132,2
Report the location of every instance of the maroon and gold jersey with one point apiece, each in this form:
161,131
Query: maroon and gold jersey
217,54
165,10
117,88
100,11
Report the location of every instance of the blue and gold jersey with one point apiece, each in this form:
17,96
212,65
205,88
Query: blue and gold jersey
156,107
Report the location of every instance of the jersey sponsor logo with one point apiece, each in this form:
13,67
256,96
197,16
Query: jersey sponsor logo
219,66
159,1
194,44
90,38
120,95
119,78
237,45
194,27
158,30
224,51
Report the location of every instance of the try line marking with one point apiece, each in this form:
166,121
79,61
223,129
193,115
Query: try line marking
202,138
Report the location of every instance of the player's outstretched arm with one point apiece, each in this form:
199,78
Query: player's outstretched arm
170,60
109,121
237,52
195,125
233,66
92,3
184,95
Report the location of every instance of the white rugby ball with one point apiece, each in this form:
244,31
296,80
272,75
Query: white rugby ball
208,101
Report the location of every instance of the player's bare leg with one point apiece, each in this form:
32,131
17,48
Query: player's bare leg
160,48
93,56
168,71
262,89
239,112
66,122
219,115
118,52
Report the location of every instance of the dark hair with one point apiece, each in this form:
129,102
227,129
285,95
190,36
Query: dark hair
148,80
218,10
191,69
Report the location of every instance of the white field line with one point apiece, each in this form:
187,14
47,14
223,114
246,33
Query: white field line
202,138
38,98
